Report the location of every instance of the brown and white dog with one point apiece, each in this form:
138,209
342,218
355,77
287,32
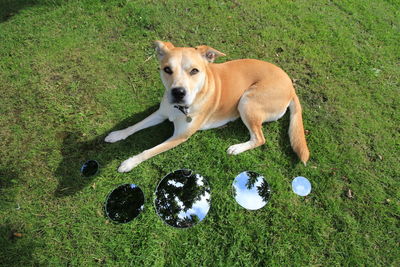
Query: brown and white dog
202,95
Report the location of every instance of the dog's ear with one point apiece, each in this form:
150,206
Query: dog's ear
162,48
209,53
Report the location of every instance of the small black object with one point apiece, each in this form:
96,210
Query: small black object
90,168
124,203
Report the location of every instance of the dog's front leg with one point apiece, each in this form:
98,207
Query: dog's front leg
151,120
132,162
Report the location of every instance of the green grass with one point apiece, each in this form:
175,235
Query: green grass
72,71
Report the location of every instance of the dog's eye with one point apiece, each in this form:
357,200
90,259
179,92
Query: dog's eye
194,71
168,70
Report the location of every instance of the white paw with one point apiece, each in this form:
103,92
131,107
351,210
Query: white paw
115,136
129,164
237,149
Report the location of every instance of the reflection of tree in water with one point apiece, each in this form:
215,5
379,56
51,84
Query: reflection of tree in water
234,191
252,178
263,189
125,203
178,193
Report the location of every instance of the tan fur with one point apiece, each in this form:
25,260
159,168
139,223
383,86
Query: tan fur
255,90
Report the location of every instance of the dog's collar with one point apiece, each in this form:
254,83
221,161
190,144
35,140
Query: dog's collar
184,110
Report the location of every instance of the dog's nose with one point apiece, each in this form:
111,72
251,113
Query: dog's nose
178,93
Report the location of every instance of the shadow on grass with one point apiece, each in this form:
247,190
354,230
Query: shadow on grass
76,152
9,8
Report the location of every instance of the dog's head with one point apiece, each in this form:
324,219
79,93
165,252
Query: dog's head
183,70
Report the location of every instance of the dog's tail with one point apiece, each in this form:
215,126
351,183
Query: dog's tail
296,131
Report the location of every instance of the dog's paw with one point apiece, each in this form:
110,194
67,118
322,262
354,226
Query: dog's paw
129,164
115,136
237,149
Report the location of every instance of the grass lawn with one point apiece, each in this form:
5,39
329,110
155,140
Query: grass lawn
72,71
